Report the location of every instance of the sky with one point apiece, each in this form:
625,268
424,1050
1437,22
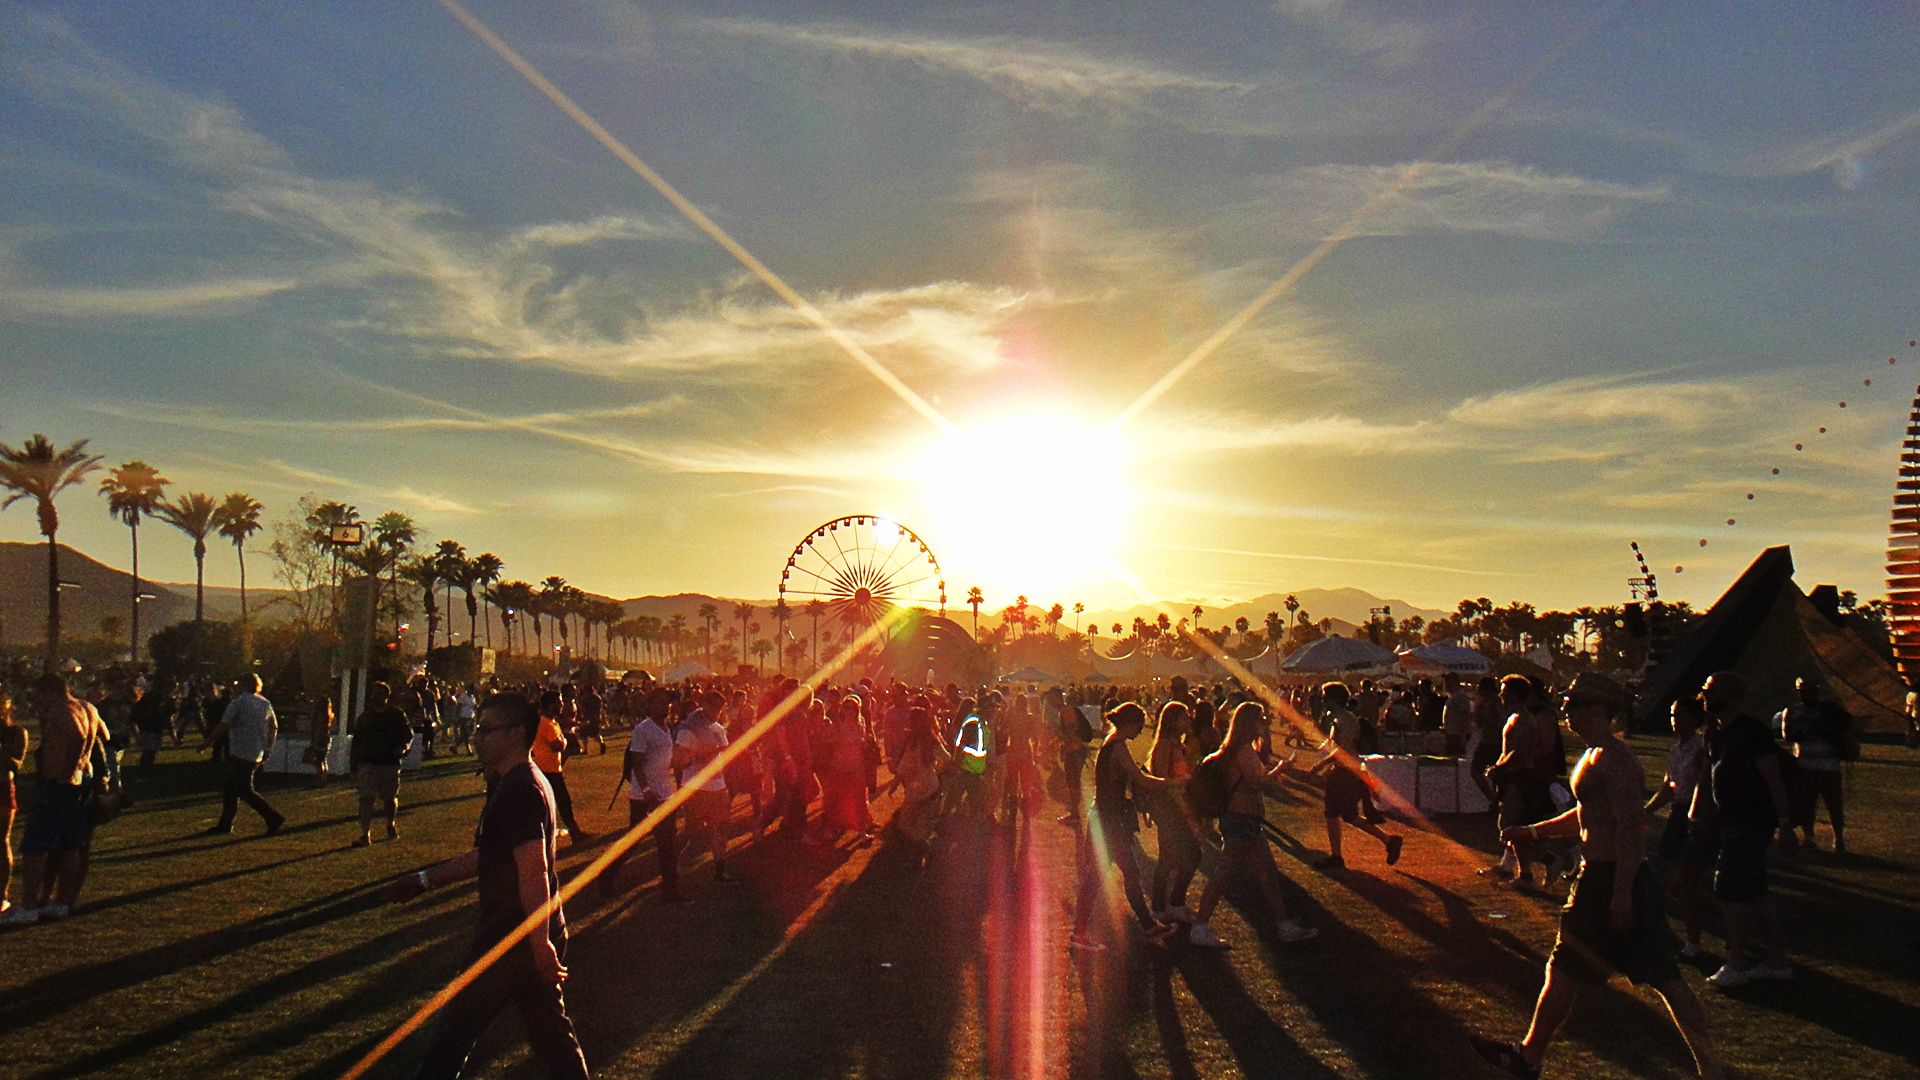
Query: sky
1104,301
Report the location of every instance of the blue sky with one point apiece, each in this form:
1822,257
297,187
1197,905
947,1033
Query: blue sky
346,249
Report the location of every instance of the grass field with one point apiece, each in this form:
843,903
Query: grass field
248,957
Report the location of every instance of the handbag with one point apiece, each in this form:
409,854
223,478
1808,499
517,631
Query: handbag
109,799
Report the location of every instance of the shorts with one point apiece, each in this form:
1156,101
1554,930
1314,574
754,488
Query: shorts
150,742
1345,794
57,818
1740,876
1524,800
380,783
1588,950
1234,826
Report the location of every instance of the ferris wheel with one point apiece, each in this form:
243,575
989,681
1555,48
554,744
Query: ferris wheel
862,566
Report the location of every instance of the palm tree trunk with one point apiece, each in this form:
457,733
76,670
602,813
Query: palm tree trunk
246,625
53,599
133,635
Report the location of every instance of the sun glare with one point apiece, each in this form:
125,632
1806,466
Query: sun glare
1032,504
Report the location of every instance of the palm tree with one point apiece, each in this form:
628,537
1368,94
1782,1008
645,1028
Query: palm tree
1079,609
424,574
760,650
1241,624
239,519
974,599
486,570
781,613
1292,604
553,603
1196,616
197,515
1019,610
1055,615
743,611
450,559
134,491
816,609
39,472
394,533
320,523
709,617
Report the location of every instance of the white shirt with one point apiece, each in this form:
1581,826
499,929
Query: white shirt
654,777
705,738
251,727
466,704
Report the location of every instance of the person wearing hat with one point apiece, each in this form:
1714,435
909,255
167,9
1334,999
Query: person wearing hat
1615,918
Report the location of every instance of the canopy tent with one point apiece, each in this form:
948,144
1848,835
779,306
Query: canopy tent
687,669
1767,631
1340,656
1095,676
1029,674
1446,656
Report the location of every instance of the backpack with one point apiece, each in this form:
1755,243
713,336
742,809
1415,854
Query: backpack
1368,741
1210,787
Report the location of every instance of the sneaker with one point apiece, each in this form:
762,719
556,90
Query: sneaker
1780,972
1729,978
363,840
1085,944
1291,932
20,916
1691,949
1331,862
219,830
1504,1056
1202,935
1177,913
1394,845
1497,872
274,826
1159,932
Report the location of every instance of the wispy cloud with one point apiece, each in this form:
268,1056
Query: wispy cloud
1845,154
1362,30
101,302
1450,197
1041,76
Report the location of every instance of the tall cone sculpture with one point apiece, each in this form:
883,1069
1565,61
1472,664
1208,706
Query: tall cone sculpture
1903,555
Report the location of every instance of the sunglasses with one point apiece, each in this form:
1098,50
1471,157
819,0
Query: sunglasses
485,729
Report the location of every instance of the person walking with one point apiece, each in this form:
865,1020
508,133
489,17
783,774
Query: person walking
549,756
381,739
1749,803
13,755
55,845
1179,854
1346,791
153,719
248,728
649,770
1688,846
513,858
1819,734
1615,918
697,741
1110,836
1519,782
1243,838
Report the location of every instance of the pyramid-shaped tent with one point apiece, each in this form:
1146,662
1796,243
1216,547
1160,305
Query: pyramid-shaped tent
1766,630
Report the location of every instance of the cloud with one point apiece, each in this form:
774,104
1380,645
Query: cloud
1040,76
1360,30
1449,197
1844,154
194,299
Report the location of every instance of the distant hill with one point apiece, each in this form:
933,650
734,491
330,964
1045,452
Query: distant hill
1348,608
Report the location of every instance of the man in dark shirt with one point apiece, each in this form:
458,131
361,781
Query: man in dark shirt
381,739
1746,798
513,856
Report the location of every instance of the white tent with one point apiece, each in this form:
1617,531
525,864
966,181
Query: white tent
689,669
1447,656
1340,655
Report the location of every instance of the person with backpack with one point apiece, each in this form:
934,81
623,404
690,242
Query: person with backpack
1346,793
1076,734
1230,784
1110,837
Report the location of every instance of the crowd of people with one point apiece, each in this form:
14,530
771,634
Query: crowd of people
973,758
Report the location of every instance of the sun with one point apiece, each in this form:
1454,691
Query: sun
1034,504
